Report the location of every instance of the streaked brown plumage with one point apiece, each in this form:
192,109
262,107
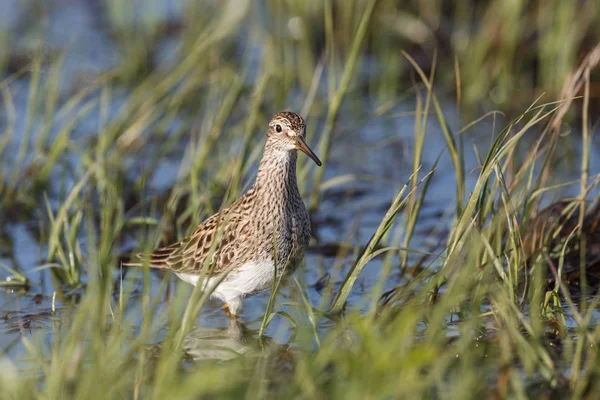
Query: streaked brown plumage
238,241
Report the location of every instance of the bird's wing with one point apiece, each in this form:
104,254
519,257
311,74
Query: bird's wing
215,244
218,243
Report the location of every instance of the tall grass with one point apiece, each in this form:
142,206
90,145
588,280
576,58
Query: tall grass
477,319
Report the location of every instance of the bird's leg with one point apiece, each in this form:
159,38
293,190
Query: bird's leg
228,312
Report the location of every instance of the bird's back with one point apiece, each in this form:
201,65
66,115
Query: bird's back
218,244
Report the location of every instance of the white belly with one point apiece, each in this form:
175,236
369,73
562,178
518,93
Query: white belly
254,276
250,278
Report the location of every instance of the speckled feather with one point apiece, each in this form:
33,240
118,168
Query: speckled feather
243,232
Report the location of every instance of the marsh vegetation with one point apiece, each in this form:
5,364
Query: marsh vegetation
456,243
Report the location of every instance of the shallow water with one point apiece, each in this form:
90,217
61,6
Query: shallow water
374,150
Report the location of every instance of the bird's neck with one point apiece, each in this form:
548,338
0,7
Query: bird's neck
277,173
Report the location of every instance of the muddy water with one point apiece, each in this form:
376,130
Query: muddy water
375,151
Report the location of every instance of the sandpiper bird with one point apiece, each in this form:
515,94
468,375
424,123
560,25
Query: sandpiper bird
238,246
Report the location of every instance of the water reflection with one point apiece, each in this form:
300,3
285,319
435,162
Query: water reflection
221,344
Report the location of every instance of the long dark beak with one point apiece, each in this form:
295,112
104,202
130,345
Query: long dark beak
303,147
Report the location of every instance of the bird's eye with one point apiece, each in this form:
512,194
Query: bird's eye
278,128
